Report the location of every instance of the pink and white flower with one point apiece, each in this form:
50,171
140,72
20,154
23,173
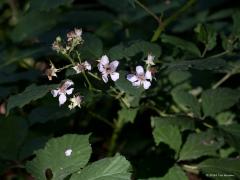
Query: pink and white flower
80,67
51,71
75,35
140,78
108,69
62,91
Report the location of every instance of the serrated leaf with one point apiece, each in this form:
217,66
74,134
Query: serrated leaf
13,132
174,173
182,44
229,167
182,122
31,93
217,100
127,114
168,134
53,157
116,168
187,102
198,145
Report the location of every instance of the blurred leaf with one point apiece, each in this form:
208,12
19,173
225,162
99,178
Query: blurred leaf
174,173
198,145
207,35
53,157
187,101
168,134
13,132
92,47
182,44
217,100
45,5
236,23
46,113
112,168
127,114
201,64
232,135
221,166
225,118
31,93
118,6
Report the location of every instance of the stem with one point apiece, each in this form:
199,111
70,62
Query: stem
171,19
93,75
101,119
65,67
227,76
118,127
219,55
150,12
69,58
192,169
88,82
204,52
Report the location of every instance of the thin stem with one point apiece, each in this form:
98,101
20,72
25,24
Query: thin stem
226,77
219,55
65,67
171,19
102,119
69,58
150,12
88,82
113,141
204,52
192,169
93,75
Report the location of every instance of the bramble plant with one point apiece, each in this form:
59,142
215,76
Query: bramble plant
119,90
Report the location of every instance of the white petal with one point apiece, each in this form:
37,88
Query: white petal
132,77
114,65
62,99
68,83
69,91
148,75
55,92
76,69
114,76
146,84
136,83
101,67
104,60
139,70
104,77
87,65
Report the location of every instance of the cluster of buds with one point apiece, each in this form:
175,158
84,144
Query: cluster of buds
107,68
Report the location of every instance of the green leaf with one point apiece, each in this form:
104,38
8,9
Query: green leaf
217,100
13,132
221,166
53,158
232,135
198,145
113,168
31,93
174,173
168,134
92,47
45,5
182,122
181,44
187,102
236,23
47,113
127,114
207,35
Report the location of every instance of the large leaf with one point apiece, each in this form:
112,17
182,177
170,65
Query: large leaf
187,101
127,114
198,145
228,167
174,173
217,100
182,122
114,168
168,134
31,93
60,157
12,134
182,44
